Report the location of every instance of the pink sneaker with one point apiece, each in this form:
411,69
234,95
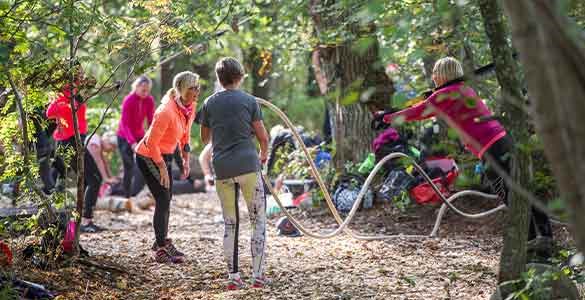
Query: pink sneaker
236,284
260,282
162,256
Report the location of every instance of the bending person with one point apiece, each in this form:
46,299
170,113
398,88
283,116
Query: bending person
138,107
171,125
98,147
462,109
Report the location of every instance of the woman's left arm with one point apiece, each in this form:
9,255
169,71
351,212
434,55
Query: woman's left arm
186,149
417,112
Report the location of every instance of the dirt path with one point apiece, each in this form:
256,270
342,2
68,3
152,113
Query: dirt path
462,266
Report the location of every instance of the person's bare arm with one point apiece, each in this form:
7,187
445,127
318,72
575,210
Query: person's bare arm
205,134
205,160
96,154
106,165
205,163
262,137
186,164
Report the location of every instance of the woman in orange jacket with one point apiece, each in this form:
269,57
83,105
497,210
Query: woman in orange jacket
171,126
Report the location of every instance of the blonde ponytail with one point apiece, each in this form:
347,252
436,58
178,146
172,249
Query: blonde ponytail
170,95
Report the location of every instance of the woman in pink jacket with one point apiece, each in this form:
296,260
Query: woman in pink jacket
137,110
462,109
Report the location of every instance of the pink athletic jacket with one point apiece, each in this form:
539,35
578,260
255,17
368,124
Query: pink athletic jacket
134,111
461,107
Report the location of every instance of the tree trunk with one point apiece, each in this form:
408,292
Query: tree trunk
347,76
79,144
169,69
312,86
513,257
553,58
178,64
23,120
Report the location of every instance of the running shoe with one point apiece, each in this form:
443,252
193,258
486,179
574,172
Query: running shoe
162,256
236,284
173,251
260,282
90,228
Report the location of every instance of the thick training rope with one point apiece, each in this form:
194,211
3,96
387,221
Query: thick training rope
343,223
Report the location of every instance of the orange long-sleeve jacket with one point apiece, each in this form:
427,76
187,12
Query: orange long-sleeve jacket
171,126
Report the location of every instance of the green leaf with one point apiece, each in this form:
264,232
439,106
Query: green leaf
351,98
452,134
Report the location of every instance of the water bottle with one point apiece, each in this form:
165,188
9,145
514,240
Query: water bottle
478,169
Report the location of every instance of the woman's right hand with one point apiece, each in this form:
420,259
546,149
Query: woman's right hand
263,157
164,175
164,179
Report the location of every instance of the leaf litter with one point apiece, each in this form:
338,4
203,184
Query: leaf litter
461,264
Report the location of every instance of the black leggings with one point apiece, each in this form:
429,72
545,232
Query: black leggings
501,152
161,195
133,181
92,176
44,148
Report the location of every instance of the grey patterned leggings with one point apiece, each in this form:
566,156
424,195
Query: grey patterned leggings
252,189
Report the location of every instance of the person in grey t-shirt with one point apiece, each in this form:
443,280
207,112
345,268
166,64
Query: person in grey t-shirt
230,119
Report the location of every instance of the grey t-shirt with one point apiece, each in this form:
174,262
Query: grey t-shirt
229,114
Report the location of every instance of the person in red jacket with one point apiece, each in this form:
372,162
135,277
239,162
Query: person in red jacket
61,111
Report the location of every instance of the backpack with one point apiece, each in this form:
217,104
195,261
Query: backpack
397,181
347,190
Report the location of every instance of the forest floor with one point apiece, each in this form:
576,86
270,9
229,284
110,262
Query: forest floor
461,264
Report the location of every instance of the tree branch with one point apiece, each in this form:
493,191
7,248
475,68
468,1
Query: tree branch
196,47
4,98
26,146
103,117
226,16
13,7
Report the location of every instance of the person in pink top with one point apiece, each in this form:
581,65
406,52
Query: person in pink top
461,108
137,109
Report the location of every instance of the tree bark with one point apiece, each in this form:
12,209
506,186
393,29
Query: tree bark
79,144
169,69
3,97
553,58
513,256
23,120
343,73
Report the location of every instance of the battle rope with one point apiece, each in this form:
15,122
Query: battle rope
343,223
